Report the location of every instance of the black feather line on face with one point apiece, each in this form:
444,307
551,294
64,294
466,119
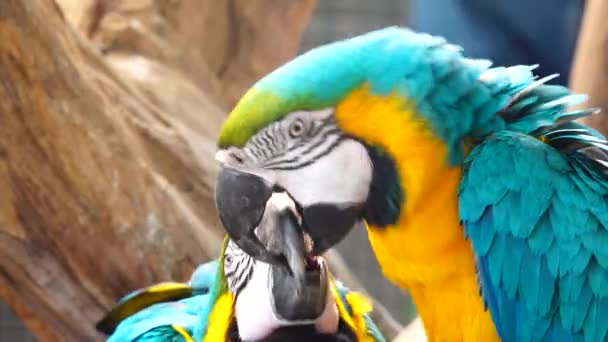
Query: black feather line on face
238,268
295,164
386,196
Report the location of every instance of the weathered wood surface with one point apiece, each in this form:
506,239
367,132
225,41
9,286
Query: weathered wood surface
108,114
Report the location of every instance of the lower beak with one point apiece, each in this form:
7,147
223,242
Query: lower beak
299,291
309,302
244,200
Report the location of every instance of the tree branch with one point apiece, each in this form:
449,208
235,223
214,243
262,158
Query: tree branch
106,146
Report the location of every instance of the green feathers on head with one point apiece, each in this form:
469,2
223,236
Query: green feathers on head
422,68
458,97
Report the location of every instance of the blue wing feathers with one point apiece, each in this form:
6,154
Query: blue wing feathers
529,288
496,255
538,222
155,321
598,279
484,237
581,260
552,257
203,276
511,269
581,307
542,236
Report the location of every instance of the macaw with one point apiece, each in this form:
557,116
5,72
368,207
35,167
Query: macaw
237,298
482,197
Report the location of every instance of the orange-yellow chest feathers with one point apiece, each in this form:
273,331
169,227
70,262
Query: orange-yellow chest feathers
425,250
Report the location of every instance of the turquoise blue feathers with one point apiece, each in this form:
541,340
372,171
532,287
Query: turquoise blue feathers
151,314
534,193
181,309
430,73
534,202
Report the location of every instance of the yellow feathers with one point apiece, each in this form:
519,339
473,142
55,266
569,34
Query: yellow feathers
168,291
223,310
359,306
426,249
182,332
390,122
219,320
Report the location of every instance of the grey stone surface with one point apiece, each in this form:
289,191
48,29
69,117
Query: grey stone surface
11,329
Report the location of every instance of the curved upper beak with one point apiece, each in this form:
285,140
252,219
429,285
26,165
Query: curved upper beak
241,202
280,233
263,223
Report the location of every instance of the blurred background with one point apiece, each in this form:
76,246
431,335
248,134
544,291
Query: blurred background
105,160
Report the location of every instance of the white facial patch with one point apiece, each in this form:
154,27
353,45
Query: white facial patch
254,315
254,312
280,201
342,176
307,154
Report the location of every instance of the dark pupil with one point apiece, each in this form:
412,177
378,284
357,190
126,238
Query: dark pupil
296,128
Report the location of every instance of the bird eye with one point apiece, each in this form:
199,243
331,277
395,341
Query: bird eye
296,128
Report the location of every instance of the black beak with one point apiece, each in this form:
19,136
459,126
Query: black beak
328,224
308,301
241,201
280,233
244,204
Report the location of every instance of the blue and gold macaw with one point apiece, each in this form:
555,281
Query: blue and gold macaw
431,150
237,298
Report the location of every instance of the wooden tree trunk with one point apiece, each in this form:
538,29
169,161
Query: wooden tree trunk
108,114
590,67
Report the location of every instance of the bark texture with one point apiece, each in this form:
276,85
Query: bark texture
108,116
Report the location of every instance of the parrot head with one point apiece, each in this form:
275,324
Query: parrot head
297,295
305,129
326,173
